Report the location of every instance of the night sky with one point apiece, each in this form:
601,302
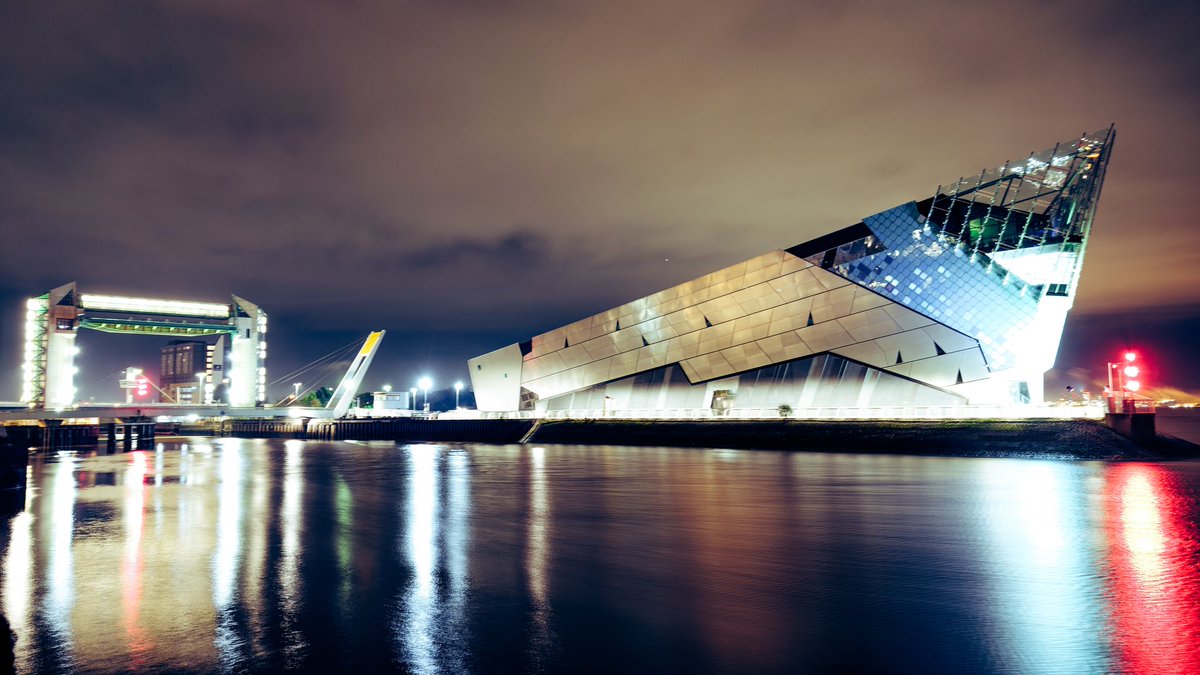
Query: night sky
466,175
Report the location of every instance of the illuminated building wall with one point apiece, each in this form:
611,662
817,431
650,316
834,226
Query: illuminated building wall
957,298
248,354
53,320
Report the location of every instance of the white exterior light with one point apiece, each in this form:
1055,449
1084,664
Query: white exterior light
112,303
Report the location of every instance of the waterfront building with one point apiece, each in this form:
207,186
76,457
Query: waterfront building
190,371
391,400
953,299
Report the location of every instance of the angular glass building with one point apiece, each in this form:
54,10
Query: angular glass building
958,298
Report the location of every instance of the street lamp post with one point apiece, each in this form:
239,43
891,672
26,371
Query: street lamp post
199,397
296,391
413,401
457,390
425,383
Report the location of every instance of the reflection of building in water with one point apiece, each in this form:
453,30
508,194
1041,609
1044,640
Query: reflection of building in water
18,578
957,297
1039,562
117,592
227,557
290,521
60,597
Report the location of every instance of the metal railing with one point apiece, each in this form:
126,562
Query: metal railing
841,413
1129,404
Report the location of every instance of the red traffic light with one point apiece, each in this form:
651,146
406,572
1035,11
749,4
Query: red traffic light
143,386
1133,385
1130,357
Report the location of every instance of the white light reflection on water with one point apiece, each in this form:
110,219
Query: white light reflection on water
290,521
253,572
60,596
456,518
536,555
18,578
416,626
1045,600
344,540
228,550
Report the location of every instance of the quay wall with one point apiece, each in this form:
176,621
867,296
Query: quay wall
1051,438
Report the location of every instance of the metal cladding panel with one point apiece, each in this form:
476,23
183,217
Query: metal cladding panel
799,308
973,366
733,328
805,283
601,347
750,334
575,355
823,380
622,365
948,339
793,264
865,299
717,337
869,324
710,366
941,370
754,320
836,303
746,356
869,353
906,318
823,337
496,379
784,347
908,346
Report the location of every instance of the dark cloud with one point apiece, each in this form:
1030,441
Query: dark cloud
514,251
477,172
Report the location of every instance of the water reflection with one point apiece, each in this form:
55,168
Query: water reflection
454,628
268,556
228,550
60,593
416,628
536,559
18,578
132,562
290,520
1048,604
1154,558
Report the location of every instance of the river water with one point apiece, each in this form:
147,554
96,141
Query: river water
252,555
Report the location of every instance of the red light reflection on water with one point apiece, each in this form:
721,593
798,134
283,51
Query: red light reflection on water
1155,578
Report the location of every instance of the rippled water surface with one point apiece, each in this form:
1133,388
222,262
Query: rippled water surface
267,555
